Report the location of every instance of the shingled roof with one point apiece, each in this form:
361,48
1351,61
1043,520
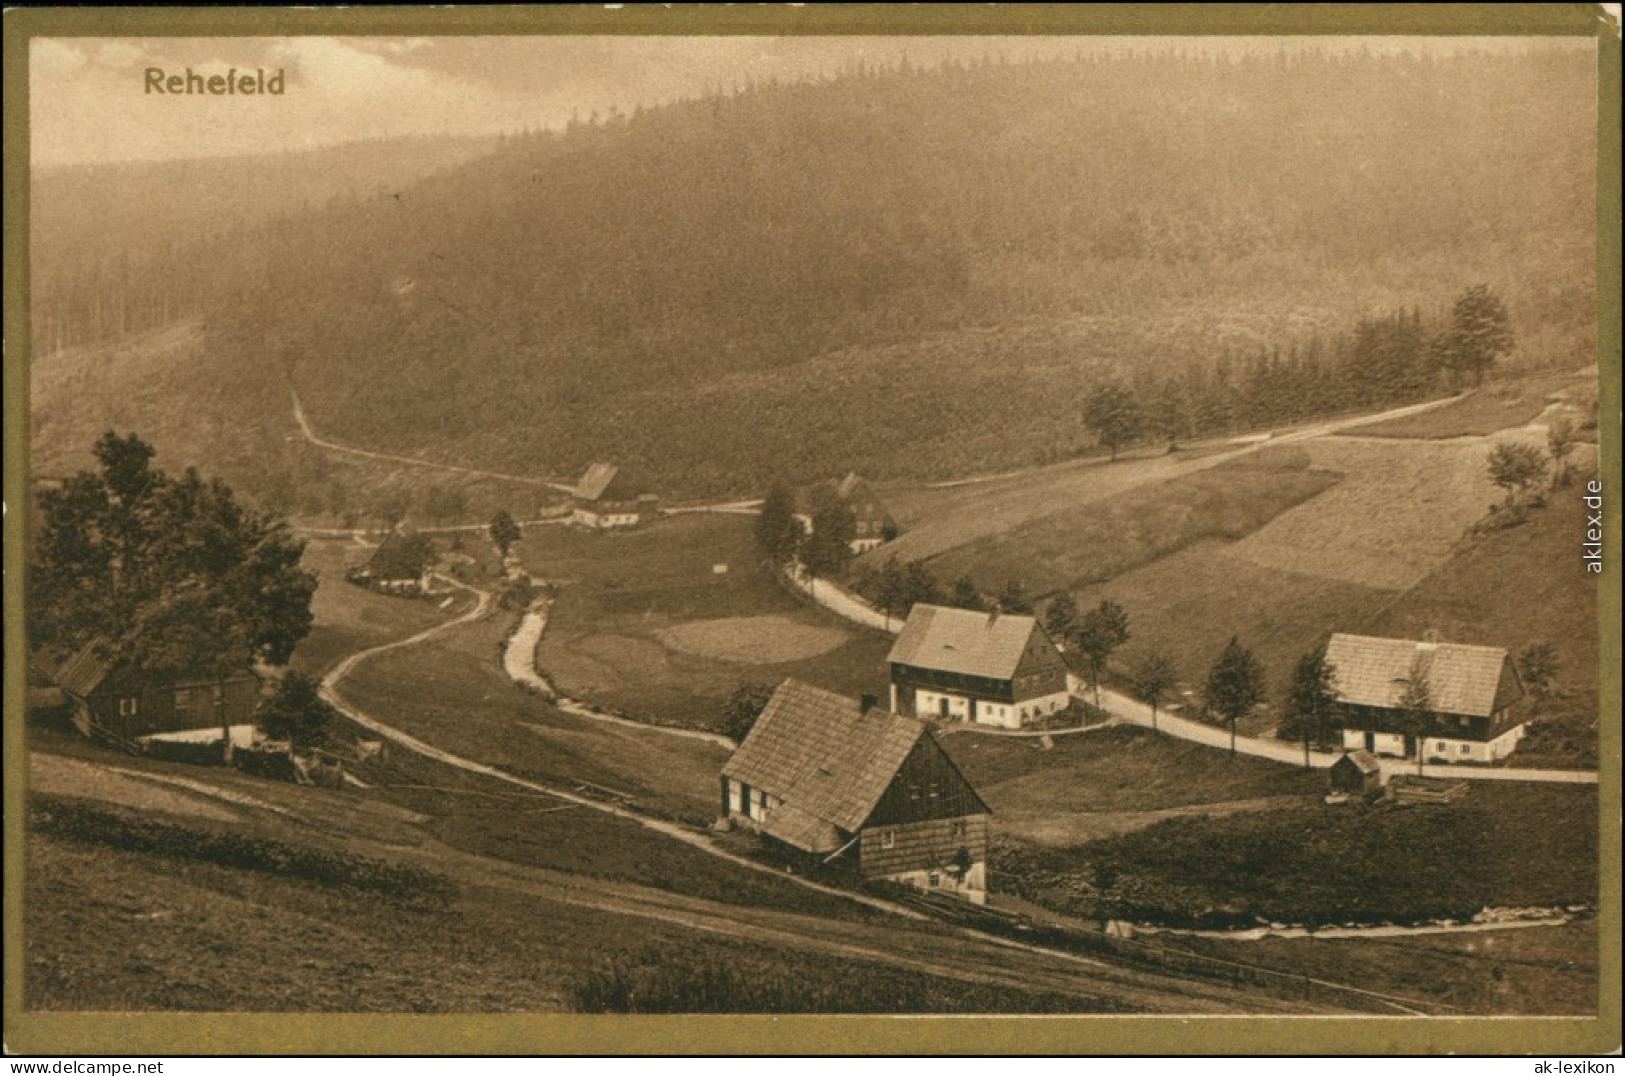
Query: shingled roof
81,672
826,757
1464,679
596,482
963,641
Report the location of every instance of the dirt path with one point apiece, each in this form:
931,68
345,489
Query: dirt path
362,453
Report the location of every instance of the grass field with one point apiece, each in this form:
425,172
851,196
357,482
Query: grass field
643,624
1115,781
1098,540
351,618
1499,405
1396,515
1504,845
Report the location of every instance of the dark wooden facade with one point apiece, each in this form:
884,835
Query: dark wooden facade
928,819
129,705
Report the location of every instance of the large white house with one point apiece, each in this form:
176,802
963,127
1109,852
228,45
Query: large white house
1474,691
987,668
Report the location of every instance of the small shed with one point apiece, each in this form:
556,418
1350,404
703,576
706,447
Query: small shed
1356,773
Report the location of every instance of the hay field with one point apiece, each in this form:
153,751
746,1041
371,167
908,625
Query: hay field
753,640
1398,512
1094,541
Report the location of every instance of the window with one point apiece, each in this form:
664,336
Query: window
958,828
1466,749
888,838
934,878
129,707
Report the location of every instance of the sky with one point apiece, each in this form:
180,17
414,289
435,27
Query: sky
88,100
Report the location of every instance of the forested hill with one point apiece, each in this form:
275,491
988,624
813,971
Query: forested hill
125,247
921,272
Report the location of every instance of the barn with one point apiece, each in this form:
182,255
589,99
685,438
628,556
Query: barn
606,498
1475,691
121,704
847,783
987,668
873,522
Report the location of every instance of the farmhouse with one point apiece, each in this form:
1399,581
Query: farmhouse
1473,689
844,780
402,562
606,498
989,668
873,523
129,707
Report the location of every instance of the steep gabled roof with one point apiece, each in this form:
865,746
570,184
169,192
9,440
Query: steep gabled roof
1364,760
596,481
1369,671
403,554
963,641
825,757
82,671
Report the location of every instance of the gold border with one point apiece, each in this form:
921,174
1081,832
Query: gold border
171,1034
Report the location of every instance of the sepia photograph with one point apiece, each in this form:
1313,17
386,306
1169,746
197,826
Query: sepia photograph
718,514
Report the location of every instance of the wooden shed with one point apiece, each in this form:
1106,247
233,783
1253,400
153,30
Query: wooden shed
1356,773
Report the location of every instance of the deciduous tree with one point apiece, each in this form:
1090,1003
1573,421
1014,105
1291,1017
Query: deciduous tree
1516,467
504,532
1480,333
1235,685
1101,631
1154,678
777,531
1414,713
173,573
743,707
297,712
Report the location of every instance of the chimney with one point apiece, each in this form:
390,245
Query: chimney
868,702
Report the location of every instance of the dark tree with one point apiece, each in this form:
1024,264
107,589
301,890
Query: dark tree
1311,700
1114,414
777,532
1014,598
504,532
743,707
1154,680
1537,666
1560,436
1061,617
1480,333
828,549
920,585
1414,714
1101,631
891,590
173,572
296,712
1235,685
966,595
1516,467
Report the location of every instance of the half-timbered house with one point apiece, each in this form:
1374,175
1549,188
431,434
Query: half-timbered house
606,498
851,784
1474,693
987,668
873,523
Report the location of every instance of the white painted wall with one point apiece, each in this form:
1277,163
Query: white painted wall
973,887
1440,748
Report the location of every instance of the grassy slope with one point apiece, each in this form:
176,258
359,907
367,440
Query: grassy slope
1502,845
199,934
619,592
1096,541
348,617
1112,781
1543,971
1497,406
